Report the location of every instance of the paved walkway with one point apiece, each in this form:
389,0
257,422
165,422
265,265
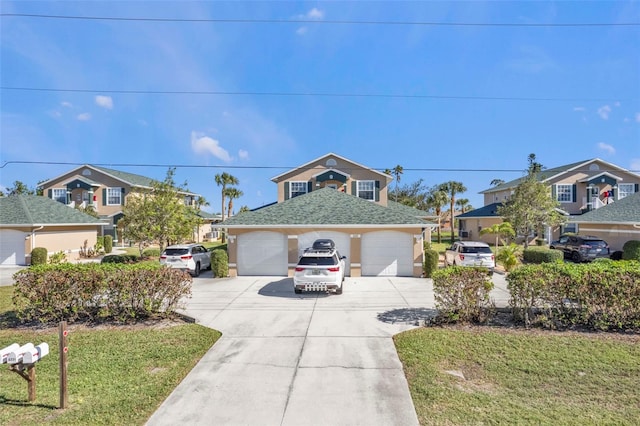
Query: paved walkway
310,359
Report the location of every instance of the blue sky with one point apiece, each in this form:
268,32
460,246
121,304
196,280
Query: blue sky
567,93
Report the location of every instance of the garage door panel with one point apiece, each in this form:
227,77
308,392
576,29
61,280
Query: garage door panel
341,239
12,247
262,253
387,253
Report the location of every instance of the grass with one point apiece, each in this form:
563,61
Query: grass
116,375
521,377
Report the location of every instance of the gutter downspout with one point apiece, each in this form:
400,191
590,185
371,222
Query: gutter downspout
33,236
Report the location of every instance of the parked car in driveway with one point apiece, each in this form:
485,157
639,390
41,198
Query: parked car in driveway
320,268
470,253
581,248
190,257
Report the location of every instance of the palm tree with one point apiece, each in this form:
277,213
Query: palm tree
496,182
436,199
462,203
503,229
232,193
452,188
397,171
223,180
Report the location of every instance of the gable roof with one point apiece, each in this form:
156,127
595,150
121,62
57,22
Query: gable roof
621,212
490,210
35,210
548,174
325,207
393,205
331,154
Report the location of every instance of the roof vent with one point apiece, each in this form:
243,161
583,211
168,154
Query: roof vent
331,162
594,167
86,172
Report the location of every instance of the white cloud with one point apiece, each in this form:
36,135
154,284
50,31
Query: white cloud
606,147
85,116
604,112
579,109
315,13
635,165
301,31
104,102
66,104
203,144
243,154
617,104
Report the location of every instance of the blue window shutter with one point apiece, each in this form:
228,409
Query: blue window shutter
309,186
354,188
122,198
554,193
635,189
286,190
104,196
573,192
377,191
49,193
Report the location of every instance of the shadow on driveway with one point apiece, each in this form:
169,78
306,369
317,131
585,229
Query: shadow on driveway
417,316
284,288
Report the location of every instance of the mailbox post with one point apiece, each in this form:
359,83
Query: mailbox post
22,361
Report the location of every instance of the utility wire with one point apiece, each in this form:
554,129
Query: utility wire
312,94
324,22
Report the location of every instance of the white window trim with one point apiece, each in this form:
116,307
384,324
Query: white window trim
305,185
373,190
570,193
632,187
119,190
59,190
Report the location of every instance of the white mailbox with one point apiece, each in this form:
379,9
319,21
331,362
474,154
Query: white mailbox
4,352
35,354
16,356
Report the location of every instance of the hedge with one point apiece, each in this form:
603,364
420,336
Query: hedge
98,292
220,263
602,295
120,258
631,250
431,258
108,243
39,256
462,294
541,255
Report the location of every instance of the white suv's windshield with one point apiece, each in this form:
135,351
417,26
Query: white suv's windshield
317,260
176,251
476,250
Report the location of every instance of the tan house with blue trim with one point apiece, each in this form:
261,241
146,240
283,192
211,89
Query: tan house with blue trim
330,197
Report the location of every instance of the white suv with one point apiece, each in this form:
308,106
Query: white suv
320,268
190,257
470,253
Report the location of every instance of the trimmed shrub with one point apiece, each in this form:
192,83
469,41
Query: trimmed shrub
431,258
120,258
97,292
39,256
57,258
151,252
462,294
631,250
99,243
108,243
220,263
541,255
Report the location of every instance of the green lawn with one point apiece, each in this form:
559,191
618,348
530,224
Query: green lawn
521,377
116,375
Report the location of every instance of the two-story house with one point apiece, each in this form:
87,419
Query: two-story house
579,188
330,197
107,190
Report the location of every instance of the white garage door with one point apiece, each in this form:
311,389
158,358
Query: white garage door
387,253
342,240
262,253
12,247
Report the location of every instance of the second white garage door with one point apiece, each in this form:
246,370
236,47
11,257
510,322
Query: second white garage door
387,253
341,239
12,247
262,253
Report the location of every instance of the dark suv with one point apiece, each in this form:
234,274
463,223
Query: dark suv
580,248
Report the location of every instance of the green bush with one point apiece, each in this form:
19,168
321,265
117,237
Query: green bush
57,258
509,256
631,250
602,295
462,294
541,255
39,256
431,258
108,243
120,258
95,292
99,243
219,263
151,252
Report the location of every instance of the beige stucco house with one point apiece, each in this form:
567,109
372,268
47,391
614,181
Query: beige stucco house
330,197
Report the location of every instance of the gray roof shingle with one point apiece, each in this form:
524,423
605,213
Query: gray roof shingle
37,210
325,206
490,210
622,211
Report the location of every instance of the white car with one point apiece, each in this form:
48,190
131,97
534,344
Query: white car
190,257
320,268
470,253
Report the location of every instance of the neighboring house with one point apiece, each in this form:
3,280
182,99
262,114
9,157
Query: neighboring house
106,190
207,231
615,223
330,197
29,221
579,187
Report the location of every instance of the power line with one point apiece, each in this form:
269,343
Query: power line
313,94
324,22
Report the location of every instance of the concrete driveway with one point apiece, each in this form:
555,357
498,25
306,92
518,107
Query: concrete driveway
310,359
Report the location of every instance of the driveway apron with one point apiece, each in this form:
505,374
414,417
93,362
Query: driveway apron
310,359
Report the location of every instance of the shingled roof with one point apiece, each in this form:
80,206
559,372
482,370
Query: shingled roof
625,211
34,210
326,207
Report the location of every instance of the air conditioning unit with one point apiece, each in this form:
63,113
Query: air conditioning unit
464,234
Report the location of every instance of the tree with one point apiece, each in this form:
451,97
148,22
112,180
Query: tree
496,182
463,203
452,188
413,195
531,206
397,172
232,193
244,209
20,188
436,199
158,215
500,230
223,180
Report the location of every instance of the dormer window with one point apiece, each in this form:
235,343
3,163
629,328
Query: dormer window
366,189
297,188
